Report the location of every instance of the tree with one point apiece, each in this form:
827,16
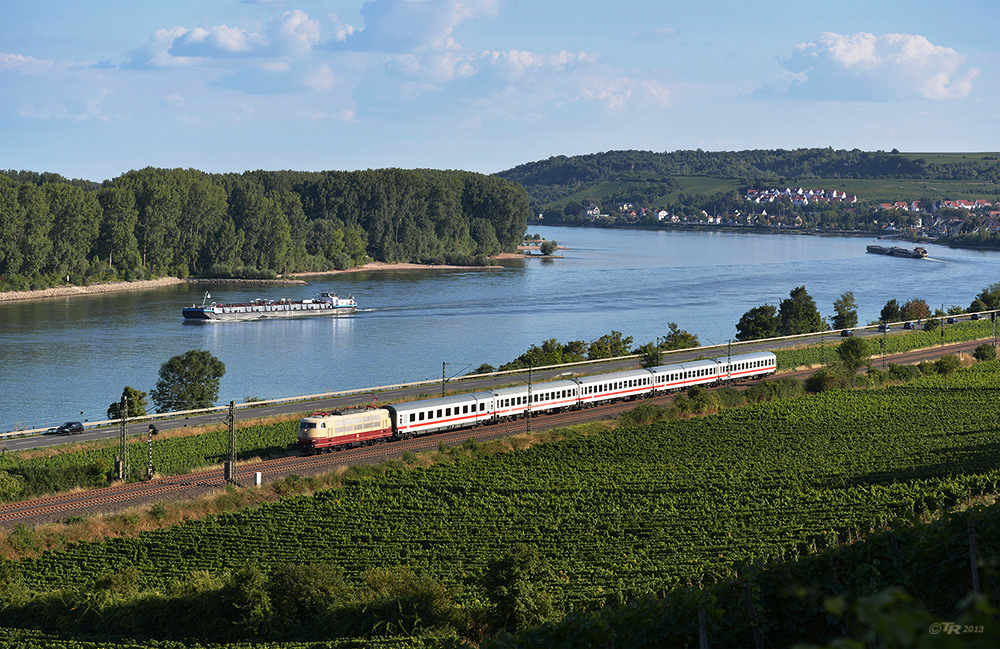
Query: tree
513,585
759,322
548,247
188,381
990,297
116,241
136,404
650,355
610,346
845,311
915,309
853,353
679,338
891,312
947,364
798,314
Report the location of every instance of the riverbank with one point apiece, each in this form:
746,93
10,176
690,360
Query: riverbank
141,285
93,289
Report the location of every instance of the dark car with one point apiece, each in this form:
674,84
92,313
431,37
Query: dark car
884,327
952,320
907,325
846,333
976,316
70,428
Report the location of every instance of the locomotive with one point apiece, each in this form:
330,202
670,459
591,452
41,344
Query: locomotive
341,429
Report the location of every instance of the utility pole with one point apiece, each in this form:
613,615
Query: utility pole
443,364
885,332
122,460
149,443
527,414
230,465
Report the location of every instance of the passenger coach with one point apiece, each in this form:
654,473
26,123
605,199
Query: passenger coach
434,415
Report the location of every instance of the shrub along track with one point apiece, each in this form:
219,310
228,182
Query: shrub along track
199,483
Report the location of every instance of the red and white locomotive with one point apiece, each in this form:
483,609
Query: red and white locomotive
329,431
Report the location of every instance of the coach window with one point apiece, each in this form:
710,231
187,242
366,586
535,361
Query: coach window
439,413
482,407
413,416
421,416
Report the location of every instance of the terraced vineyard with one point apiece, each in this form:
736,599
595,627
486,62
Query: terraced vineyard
618,514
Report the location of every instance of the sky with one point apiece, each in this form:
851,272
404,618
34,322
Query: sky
94,88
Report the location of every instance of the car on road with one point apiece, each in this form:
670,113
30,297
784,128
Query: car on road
952,320
846,333
907,325
975,316
884,327
70,428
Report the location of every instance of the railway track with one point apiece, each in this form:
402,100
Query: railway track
121,496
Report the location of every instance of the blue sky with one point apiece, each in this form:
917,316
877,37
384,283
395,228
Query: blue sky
93,88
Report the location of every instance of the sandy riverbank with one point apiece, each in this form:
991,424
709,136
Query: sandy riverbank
93,289
139,285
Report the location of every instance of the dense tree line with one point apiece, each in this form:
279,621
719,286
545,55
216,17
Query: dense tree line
155,222
750,165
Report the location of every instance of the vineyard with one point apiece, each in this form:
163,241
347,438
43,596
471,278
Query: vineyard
894,344
616,515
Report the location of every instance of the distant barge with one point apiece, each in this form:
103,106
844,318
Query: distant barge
916,253
326,304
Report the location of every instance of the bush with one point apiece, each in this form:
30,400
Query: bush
644,413
730,397
985,353
903,372
822,380
927,368
299,593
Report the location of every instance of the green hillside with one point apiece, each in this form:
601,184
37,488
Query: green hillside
653,179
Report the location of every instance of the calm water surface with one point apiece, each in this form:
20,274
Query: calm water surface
69,358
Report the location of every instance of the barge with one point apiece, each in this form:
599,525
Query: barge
916,253
325,304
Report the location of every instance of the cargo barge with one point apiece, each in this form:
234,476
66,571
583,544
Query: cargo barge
326,304
916,253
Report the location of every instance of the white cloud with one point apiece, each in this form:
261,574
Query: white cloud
399,26
295,32
863,66
218,41
23,63
622,93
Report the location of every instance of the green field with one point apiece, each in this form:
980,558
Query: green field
616,515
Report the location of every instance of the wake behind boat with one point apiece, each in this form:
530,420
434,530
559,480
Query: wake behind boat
326,304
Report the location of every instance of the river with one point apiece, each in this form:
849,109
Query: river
69,358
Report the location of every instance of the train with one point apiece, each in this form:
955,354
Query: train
338,430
